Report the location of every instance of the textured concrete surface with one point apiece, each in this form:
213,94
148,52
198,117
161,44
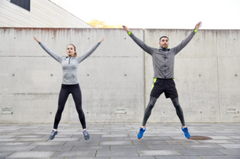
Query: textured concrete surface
118,75
119,141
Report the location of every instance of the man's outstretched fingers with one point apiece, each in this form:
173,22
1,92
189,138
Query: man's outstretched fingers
198,25
125,28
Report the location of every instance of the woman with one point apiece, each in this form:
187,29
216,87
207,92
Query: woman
69,83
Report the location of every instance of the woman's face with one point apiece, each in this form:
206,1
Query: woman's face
70,50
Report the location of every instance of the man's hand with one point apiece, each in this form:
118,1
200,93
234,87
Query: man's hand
198,25
101,39
125,28
36,39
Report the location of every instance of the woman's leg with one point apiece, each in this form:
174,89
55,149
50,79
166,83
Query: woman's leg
63,95
77,97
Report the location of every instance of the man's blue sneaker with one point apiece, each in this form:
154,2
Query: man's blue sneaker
186,133
53,134
140,134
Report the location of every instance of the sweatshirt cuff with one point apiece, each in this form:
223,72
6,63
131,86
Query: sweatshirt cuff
129,33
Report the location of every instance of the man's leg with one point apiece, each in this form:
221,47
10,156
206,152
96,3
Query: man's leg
179,112
147,114
157,90
148,110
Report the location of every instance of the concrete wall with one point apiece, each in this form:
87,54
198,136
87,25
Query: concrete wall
118,75
43,13
207,76
111,78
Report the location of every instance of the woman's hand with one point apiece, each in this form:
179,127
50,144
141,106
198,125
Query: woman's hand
101,40
36,39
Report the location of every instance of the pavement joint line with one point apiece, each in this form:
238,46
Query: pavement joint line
10,154
64,143
179,152
200,157
109,147
197,141
53,154
138,153
71,148
221,146
30,143
200,142
147,147
166,142
33,148
183,146
132,142
110,138
95,154
98,143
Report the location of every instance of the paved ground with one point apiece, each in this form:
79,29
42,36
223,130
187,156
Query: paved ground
119,141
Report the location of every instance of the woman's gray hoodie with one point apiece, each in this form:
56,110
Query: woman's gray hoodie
69,64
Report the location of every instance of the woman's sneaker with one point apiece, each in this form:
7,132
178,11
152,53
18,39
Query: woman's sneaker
86,135
140,134
53,134
186,133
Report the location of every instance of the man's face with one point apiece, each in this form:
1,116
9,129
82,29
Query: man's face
164,43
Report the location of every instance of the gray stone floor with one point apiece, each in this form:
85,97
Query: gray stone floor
119,141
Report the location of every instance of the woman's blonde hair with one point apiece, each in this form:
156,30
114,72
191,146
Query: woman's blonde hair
75,54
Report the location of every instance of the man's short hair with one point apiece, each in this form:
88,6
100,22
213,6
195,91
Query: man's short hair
163,37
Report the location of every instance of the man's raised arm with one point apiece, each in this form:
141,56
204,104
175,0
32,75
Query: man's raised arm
187,40
140,43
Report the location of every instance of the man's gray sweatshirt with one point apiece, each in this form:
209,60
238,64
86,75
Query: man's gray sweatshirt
163,59
69,64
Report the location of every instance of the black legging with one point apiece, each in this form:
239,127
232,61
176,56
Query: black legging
77,97
151,104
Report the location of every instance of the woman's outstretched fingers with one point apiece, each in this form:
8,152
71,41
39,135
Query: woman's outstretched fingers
101,39
36,39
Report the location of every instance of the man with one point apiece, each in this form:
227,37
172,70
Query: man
163,65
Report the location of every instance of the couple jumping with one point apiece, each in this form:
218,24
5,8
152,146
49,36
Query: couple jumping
163,65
